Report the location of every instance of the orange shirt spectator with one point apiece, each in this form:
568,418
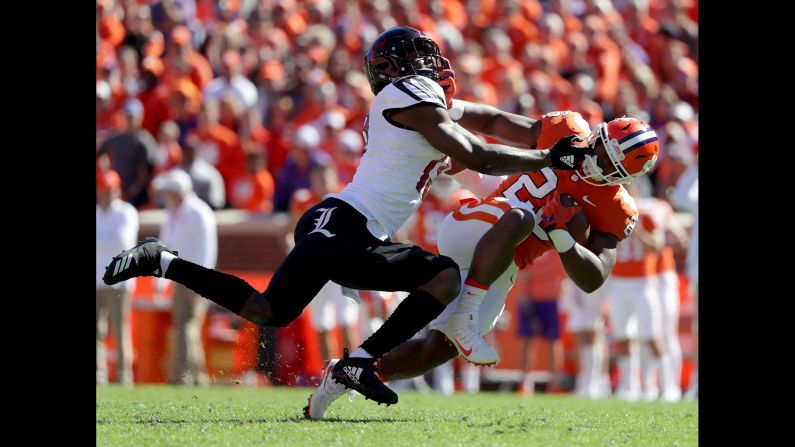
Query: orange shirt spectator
253,190
253,136
590,111
169,152
481,14
184,98
455,13
323,181
279,144
348,154
330,124
286,17
563,8
520,31
106,111
154,95
218,145
110,27
106,56
493,69
322,98
183,60
606,57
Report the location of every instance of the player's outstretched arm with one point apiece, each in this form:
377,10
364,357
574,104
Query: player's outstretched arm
588,266
438,129
510,128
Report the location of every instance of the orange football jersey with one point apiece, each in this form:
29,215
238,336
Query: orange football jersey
632,259
662,212
609,209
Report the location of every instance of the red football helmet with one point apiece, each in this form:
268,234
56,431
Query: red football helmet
630,144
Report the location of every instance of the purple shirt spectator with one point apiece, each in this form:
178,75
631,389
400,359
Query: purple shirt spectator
294,175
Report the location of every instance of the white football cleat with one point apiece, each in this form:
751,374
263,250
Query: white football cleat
465,336
650,395
328,391
628,395
672,395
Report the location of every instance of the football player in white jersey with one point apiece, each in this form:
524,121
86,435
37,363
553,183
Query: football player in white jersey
346,237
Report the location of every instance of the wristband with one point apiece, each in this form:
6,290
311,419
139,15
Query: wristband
562,240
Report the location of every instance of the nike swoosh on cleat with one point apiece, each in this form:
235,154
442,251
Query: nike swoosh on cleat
464,351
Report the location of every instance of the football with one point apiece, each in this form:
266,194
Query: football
578,226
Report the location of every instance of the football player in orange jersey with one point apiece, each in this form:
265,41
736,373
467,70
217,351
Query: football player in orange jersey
527,216
499,235
671,233
492,239
586,324
685,198
634,306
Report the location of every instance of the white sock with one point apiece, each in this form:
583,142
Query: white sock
623,372
667,377
360,353
693,387
165,261
470,299
648,369
628,366
443,380
674,351
586,366
634,370
595,373
604,385
470,378
528,381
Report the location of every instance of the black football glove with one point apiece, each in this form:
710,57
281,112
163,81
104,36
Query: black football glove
566,156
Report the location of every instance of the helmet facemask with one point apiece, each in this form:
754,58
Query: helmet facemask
419,56
424,57
593,174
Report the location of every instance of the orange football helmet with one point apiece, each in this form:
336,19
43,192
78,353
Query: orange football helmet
630,144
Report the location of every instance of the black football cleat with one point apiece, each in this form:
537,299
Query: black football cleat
360,374
141,260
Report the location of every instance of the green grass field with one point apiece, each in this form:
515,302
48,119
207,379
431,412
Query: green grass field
231,416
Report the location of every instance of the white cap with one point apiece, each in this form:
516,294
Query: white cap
350,140
103,90
682,111
334,119
175,180
307,137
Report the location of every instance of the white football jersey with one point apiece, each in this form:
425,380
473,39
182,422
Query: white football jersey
398,165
